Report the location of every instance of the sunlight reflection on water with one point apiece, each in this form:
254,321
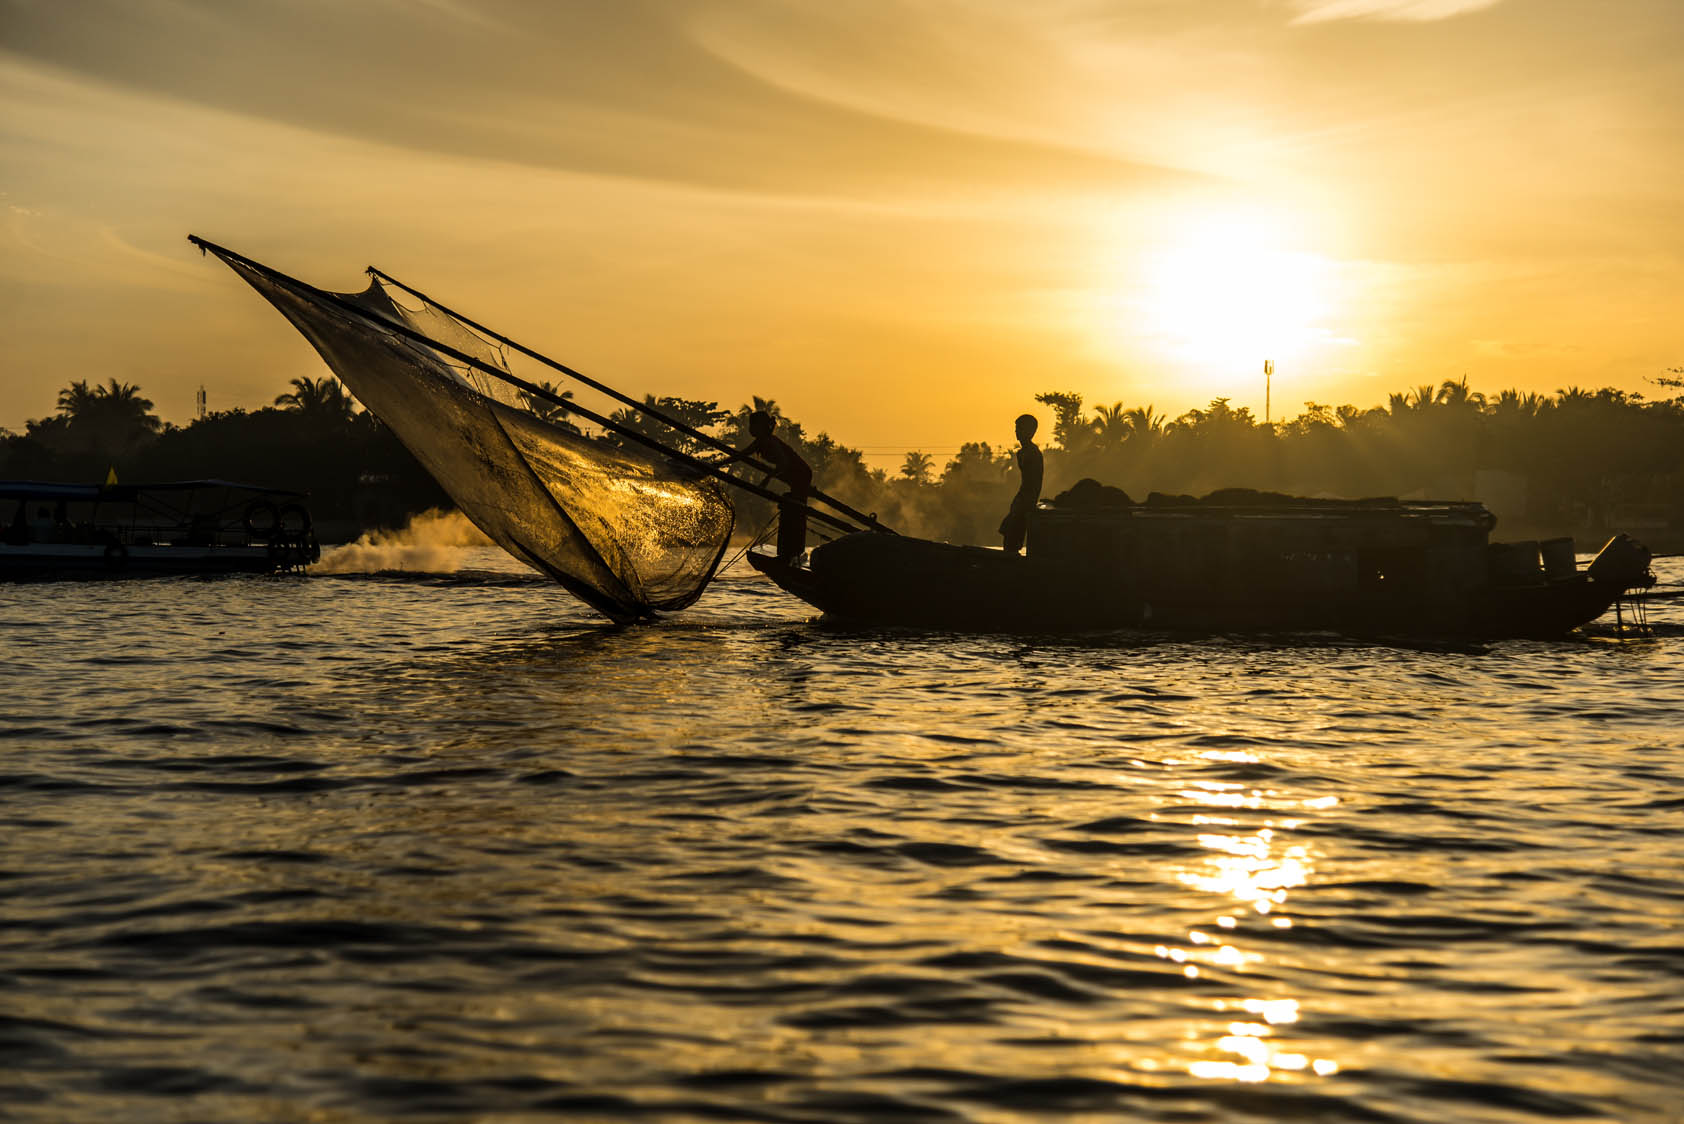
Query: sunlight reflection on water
1255,871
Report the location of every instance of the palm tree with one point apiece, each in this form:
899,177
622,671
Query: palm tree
917,467
1110,425
1455,394
108,419
547,409
1414,401
322,398
1144,422
76,400
122,404
116,401
1512,403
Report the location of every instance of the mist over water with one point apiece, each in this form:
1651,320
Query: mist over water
440,846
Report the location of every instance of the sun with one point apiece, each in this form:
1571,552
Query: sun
1221,293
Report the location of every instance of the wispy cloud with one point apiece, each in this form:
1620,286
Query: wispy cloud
1410,11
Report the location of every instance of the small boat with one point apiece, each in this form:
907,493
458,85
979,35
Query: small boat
1235,561
135,530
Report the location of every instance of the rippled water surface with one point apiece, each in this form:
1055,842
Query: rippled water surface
364,848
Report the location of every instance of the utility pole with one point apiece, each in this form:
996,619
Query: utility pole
1268,374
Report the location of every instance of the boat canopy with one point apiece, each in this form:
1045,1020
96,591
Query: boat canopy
124,493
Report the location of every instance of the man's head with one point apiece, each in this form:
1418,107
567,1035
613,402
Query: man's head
760,423
1026,426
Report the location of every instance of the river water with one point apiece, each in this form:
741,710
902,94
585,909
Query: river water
362,848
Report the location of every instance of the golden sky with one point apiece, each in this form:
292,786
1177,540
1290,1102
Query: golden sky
899,218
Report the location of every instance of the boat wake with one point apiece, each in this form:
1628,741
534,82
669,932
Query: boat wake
433,542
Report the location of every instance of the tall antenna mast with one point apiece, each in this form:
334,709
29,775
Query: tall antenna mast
199,401
1268,375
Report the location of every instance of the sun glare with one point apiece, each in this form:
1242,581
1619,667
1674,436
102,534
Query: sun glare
1223,293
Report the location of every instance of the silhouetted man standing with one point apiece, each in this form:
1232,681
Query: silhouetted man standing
1014,528
787,466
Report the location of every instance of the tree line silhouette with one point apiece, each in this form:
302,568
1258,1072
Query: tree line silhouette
1579,461
312,439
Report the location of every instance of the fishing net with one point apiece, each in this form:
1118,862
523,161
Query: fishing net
628,532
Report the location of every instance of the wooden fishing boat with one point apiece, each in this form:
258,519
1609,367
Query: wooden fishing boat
138,530
637,526
1235,561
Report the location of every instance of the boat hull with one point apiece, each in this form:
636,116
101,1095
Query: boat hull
892,580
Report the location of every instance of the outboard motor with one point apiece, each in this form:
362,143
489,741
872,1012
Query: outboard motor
1623,563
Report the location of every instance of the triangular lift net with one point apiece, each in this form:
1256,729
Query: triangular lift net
627,531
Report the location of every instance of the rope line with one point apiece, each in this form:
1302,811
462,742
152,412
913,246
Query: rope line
760,536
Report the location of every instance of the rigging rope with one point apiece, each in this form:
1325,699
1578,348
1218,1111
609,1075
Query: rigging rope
759,537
